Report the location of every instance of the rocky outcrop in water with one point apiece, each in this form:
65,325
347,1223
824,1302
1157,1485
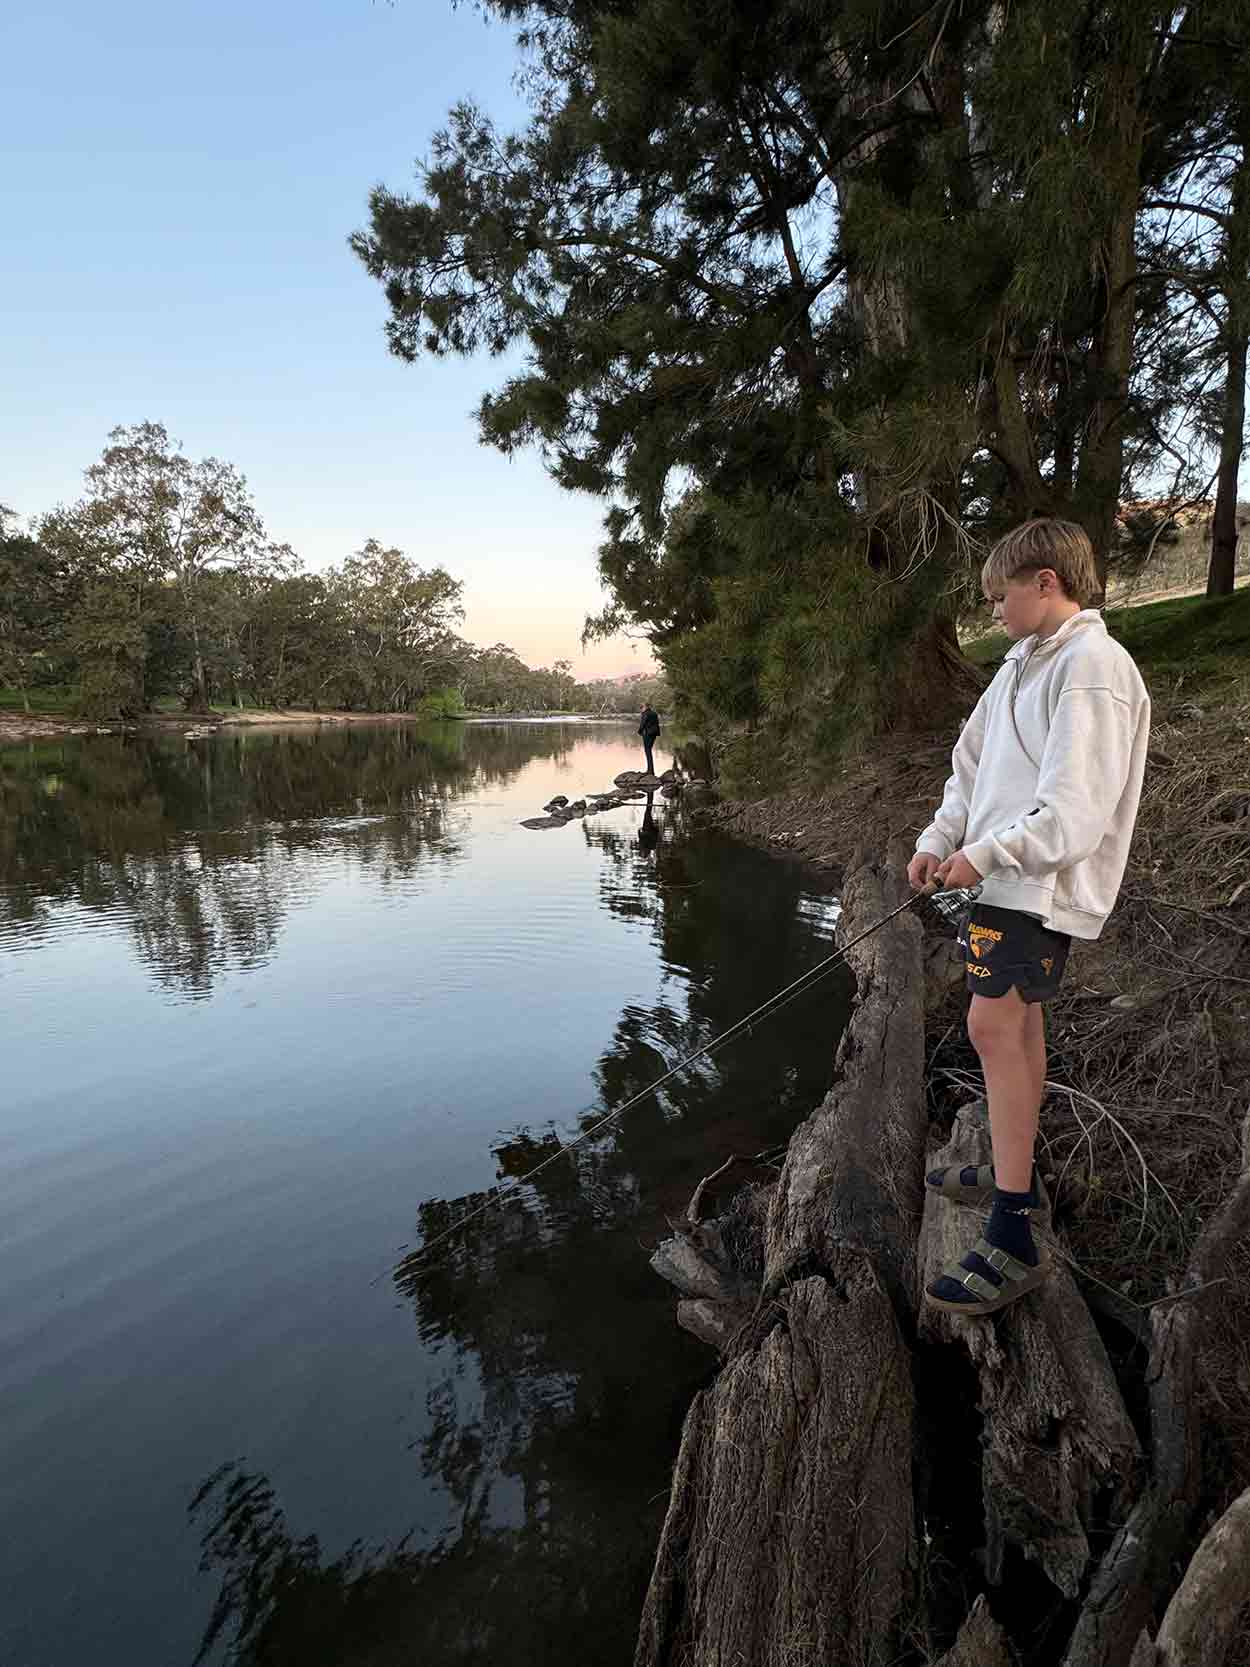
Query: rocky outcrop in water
631,787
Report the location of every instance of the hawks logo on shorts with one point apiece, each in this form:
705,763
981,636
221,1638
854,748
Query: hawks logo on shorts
981,939
1007,949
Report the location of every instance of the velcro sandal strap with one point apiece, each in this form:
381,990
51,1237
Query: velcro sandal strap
978,1284
1002,1261
952,1182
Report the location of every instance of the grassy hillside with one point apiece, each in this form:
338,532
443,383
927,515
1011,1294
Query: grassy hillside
1204,644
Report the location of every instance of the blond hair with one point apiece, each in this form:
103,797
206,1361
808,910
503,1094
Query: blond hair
1044,542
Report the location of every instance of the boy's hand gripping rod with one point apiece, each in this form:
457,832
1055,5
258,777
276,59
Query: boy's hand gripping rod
766,1009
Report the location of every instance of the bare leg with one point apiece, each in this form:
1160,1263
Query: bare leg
1037,1046
1008,1034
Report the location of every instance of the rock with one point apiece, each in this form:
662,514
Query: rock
670,775
577,808
637,778
671,790
557,803
545,822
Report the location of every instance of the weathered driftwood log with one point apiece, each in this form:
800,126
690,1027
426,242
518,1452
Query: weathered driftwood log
1058,1449
1137,1567
716,1265
790,1534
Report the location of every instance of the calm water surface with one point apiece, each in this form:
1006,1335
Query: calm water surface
273,1008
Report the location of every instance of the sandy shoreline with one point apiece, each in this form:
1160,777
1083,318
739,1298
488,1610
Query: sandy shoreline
39,726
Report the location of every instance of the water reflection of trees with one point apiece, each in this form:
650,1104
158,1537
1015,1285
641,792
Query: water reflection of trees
201,850
552,1430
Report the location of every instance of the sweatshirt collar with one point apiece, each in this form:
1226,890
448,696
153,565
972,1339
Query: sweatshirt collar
1028,646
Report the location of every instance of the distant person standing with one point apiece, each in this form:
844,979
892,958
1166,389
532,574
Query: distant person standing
649,729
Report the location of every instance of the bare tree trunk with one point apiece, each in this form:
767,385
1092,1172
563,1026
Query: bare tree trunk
200,703
1058,1452
1101,471
791,1533
1221,573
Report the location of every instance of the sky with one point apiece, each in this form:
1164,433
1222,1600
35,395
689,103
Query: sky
180,183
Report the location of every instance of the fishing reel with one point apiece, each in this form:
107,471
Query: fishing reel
954,904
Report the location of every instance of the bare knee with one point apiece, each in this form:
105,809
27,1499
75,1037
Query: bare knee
997,1024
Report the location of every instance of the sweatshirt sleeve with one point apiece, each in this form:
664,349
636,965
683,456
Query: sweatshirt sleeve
945,834
1084,771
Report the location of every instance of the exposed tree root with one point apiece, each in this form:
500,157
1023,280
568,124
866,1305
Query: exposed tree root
797,1526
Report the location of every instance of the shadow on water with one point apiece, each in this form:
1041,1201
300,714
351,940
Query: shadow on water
552,1430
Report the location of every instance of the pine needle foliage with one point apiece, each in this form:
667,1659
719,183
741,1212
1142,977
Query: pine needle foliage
818,296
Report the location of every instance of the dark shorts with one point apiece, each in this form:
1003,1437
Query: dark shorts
1004,948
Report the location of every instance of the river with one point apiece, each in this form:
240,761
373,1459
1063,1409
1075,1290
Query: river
274,1008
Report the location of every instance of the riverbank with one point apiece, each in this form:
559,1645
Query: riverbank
1145,1155
29,726
1155,1016
1146,1112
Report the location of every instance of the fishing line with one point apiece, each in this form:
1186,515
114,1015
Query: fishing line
766,1009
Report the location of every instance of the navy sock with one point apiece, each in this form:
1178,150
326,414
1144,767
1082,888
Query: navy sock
1008,1226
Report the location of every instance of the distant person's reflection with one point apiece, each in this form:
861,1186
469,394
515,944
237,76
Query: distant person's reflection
649,832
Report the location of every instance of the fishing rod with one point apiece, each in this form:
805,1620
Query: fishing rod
799,986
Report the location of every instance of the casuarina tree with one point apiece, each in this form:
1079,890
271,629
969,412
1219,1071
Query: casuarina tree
816,298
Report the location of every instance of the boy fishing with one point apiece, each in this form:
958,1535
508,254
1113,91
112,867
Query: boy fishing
1038,812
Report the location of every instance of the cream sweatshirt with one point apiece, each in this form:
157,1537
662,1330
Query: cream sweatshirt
1046,778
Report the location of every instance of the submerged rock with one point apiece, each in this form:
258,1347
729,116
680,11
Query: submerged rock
545,821
637,778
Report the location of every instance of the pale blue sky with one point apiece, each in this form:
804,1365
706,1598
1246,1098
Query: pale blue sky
180,183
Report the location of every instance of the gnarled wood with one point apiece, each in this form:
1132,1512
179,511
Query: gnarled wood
853,1171
1138,1563
1056,1432
790,1536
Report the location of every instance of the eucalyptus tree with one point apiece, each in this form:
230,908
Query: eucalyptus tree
398,621
859,276
151,530
35,591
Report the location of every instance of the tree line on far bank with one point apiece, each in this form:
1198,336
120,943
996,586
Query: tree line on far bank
162,582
